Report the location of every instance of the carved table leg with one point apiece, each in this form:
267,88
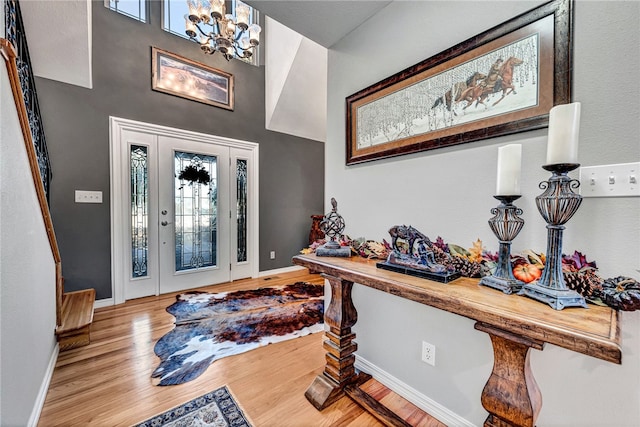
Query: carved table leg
511,395
339,371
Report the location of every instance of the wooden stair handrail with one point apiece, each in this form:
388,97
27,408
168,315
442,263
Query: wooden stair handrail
9,54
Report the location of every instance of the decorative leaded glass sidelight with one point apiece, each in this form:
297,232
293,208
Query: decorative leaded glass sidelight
196,214
241,208
139,171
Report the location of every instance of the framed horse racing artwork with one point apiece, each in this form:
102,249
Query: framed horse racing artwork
500,82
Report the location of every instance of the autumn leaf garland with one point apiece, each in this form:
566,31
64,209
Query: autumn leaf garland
579,273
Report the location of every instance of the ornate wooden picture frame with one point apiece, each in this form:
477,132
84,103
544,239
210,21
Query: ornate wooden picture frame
179,76
500,82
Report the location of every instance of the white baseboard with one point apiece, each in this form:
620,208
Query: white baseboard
44,388
423,402
106,302
280,271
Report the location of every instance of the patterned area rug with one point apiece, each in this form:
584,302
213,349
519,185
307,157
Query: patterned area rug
212,326
217,408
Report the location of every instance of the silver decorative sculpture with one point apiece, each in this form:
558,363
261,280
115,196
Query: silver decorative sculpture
416,257
557,204
506,224
332,226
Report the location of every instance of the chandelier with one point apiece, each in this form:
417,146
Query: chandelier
220,30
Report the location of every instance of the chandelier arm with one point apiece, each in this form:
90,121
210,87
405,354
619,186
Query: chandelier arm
235,50
216,27
202,32
240,34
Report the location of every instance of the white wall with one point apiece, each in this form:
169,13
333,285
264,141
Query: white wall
27,278
295,83
74,67
448,192
3,90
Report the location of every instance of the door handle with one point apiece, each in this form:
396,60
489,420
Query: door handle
165,223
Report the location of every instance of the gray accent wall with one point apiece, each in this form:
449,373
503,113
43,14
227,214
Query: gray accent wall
76,122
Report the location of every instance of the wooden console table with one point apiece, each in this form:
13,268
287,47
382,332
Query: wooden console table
515,324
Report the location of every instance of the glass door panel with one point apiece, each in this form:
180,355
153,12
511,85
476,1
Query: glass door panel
241,209
195,207
139,172
139,226
243,225
194,232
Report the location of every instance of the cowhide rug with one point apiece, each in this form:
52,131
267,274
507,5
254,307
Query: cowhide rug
212,326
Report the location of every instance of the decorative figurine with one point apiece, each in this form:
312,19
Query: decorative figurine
414,257
332,226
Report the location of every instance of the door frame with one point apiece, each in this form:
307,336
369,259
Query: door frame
117,126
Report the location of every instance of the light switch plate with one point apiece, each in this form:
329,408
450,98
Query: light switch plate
620,180
88,196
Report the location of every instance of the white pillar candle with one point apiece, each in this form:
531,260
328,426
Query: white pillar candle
509,167
564,127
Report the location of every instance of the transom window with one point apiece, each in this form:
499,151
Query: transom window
174,16
136,9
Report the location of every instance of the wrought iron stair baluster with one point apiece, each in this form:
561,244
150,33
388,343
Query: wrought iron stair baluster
16,35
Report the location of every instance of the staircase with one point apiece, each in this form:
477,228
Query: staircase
74,310
77,316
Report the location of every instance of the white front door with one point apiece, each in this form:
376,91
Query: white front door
186,211
194,203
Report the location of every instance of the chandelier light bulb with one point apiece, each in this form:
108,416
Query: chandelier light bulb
203,12
193,6
242,15
217,9
229,25
190,27
254,34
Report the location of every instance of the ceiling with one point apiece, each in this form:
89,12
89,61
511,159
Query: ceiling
324,22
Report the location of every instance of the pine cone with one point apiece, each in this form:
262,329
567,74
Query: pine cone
465,267
440,256
586,283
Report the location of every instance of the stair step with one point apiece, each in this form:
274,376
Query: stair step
77,315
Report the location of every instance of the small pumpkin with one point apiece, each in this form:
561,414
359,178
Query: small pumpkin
526,272
621,293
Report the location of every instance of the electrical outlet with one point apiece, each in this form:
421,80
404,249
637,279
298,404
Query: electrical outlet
272,254
428,353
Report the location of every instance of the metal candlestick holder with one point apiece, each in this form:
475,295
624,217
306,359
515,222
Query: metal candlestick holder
506,224
557,204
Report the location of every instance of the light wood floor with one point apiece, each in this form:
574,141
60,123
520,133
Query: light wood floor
107,383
